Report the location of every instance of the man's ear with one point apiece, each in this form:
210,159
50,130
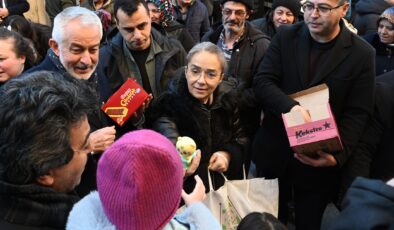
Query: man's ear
46,180
54,46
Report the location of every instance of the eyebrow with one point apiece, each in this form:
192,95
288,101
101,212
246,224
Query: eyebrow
196,66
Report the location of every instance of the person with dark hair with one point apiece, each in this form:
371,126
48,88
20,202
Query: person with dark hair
200,104
43,148
12,7
260,221
194,15
283,12
38,34
138,51
16,55
162,16
383,42
321,50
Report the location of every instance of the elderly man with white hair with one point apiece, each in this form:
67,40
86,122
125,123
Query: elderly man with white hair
74,48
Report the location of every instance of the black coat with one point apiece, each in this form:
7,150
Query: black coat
349,74
16,7
197,20
213,128
244,63
367,14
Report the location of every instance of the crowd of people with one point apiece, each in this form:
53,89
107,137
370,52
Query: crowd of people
65,164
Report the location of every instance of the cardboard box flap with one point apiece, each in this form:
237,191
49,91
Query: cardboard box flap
313,96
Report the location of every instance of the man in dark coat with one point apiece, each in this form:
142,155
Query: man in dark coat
138,51
244,47
374,156
319,50
43,148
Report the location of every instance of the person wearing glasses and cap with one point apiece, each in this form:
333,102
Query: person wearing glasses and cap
319,50
244,47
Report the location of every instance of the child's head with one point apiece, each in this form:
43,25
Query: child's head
139,180
260,221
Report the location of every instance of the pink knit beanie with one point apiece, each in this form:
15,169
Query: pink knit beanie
139,180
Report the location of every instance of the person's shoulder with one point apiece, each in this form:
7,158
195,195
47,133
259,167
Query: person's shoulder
168,44
361,44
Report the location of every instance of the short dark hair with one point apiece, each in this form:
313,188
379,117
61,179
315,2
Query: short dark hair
260,221
129,6
37,112
22,46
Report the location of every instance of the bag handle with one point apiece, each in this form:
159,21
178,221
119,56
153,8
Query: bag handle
224,177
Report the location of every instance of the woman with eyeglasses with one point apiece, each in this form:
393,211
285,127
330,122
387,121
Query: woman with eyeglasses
383,42
283,12
16,55
200,104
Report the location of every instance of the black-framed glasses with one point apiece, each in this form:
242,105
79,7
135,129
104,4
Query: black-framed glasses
322,10
238,13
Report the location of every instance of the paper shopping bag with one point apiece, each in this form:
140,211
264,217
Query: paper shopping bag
237,198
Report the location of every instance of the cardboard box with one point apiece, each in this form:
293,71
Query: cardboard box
125,101
320,134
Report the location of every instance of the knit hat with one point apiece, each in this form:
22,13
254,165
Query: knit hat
387,14
248,3
293,5
139,180
166,10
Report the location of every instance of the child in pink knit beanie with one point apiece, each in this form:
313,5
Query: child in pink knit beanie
139,180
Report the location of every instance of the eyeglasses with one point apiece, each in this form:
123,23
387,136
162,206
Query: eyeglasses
196,73
238,13
322,10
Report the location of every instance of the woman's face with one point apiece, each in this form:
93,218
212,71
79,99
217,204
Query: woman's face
154,13
203,75
282,16
386,32
10,64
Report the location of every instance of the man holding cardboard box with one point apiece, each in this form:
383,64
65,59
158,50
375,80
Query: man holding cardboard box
320,50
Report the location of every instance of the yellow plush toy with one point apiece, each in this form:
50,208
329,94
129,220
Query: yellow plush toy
187,148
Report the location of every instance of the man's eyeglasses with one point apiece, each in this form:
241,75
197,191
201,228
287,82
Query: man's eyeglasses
322,10
238,13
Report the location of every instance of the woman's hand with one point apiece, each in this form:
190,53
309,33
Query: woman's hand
194,164
219,161
198,193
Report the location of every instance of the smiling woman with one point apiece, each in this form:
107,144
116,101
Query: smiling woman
16,55
383,42
201,105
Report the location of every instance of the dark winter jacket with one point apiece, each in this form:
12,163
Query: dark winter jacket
367,14
213,128
265,25
176,30
54,7
15,7
246,57
369,204
197,20
30,206
384,54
